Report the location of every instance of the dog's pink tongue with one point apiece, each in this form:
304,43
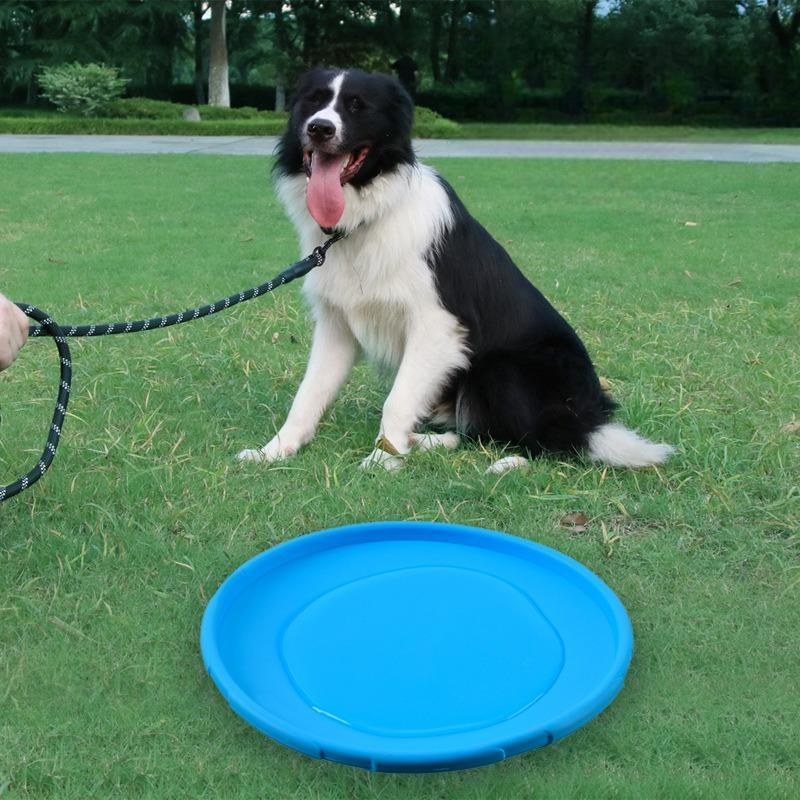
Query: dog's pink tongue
324,195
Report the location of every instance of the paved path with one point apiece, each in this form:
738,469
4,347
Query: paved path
425,148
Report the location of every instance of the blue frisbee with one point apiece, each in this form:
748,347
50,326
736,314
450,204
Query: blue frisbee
415,647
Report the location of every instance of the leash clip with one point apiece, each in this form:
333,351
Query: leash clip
318,254
320,251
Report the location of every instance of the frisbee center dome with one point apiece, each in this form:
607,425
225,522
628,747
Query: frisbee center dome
422,651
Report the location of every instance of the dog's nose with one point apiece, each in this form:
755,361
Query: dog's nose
321,129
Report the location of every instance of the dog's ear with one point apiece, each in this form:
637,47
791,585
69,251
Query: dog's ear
403,104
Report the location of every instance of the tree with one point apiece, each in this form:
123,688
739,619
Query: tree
781,69
784,22
586,12
39,33
218,87
484,56
16,62
49,33
197,26
666,50
451,70
499,86
435,11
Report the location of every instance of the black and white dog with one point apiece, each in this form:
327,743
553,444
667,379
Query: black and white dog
423,289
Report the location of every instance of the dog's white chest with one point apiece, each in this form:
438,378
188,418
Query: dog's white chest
379,296
381,332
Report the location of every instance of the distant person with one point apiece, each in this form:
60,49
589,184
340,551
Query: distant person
407,73
13,332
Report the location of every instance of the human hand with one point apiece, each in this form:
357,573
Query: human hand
13,331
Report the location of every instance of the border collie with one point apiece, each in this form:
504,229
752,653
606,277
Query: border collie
424,290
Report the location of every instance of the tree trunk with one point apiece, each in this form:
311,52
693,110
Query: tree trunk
584,61
282,40
286,52
500,86
280,93
32,95
435,9
406,25
786,33
199,88
452,70
386,28
783,72
218,88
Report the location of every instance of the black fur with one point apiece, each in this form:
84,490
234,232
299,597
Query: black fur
531,382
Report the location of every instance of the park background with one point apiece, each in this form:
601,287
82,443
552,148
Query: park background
680,276
709,62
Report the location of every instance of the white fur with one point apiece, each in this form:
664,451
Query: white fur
432,441
375,289
380,458
333,353
616,445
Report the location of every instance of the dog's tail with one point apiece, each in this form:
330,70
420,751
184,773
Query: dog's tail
616,445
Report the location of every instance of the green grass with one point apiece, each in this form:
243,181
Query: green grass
598,132
107,563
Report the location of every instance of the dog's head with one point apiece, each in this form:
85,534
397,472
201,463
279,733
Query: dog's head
345,128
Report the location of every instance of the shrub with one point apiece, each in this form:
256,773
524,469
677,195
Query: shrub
240,112
430,125
142,108
464,100
254,95
63,124
146,108
85,89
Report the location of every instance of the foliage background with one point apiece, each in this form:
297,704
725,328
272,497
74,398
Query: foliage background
704,60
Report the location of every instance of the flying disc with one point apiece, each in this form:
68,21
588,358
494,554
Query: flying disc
415,647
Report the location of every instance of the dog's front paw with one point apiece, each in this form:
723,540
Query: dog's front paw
277,449
380,458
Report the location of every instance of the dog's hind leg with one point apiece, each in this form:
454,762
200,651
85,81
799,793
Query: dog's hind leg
506,464
431,441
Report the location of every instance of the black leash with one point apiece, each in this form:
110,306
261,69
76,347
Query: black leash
50,328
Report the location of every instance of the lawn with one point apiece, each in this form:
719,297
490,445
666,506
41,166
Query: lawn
606,132
682,279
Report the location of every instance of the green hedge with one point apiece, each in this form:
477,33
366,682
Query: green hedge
145,108
145,117
143,127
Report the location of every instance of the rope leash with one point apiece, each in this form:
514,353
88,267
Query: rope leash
48,327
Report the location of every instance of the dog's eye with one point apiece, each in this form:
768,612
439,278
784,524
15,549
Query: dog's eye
320,96
355,104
